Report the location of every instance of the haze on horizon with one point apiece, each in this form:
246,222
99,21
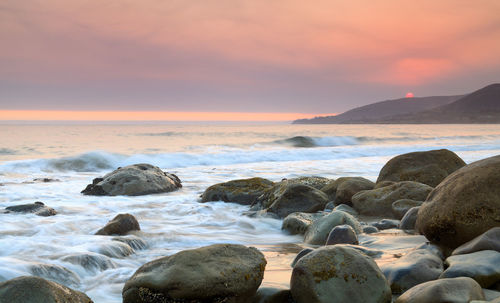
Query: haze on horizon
241,56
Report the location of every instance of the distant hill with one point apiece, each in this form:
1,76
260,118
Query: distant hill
481,106
384,109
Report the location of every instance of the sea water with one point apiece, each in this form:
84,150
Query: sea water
63,248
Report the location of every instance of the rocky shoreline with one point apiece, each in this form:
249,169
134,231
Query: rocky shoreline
445,215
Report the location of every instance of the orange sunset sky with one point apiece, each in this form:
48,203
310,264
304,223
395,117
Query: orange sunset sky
237,60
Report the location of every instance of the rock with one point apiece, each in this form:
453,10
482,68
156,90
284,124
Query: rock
216,273
133,180
342,189
384,184
432,248
482,266
428,167
378,202
90,261
368,229
244,191
386,224
115,249
342,234
490,240
37,208
272,295
55,273
330,206
297,223
301,253
318,231
286,198
133,241
346,208
119,225
456,290
313,181
373,253
401,207
414,268
37,290
338,274
463,206
409,219
45,180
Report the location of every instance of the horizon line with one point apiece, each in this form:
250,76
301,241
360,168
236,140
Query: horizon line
180,116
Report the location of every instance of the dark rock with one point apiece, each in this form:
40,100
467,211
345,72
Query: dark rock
386,224
342,234
216,273
318,231
116,249
90,261
401,207
342,189
465,205
337,273
414,268
312,181
133,180
378,202
244,191
482,266
297,223
368,229
119,225
346,208
273,295
490,240
134,242
428,167
37,208
301,253
384,184
55,273
409,219
330,206
45,180
456,290
37,290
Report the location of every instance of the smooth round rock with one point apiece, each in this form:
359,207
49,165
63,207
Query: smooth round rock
490,240
401,207
346,208
342,234
37,208
409,219
301,253
428,167
463,206
29,289
342,194
287,198
318,231
455,290
119,225
297,223
338,274
368,229
272,295
216,272
386,224
482,266
243,191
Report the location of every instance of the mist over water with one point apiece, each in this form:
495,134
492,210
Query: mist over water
63,248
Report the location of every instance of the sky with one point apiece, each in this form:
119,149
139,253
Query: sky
248,56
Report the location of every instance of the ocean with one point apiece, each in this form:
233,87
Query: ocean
200,154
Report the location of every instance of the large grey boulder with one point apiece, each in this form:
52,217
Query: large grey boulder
27,289
243,191
133,180
465,205
297,223
317,232
340,274
490,240
455,290
285,198
378,202
482,266
122,224
414,268
37,208
342,234
428,167
216,273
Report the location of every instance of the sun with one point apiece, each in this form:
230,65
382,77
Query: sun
409,95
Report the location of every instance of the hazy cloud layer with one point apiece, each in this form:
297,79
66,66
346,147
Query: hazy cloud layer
226,55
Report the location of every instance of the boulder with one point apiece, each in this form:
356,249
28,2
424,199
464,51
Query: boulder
119,225
428,167
409,219
286,198
368,229
386,224
342,189
342,234
465,205
346,208
378,202
456,290
297,223
133,180
490,240
272,295
301,253
37,208
400,207
414,268
337,273
313,181
29,289
318,231
91,262
482,266
215,273
243,191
